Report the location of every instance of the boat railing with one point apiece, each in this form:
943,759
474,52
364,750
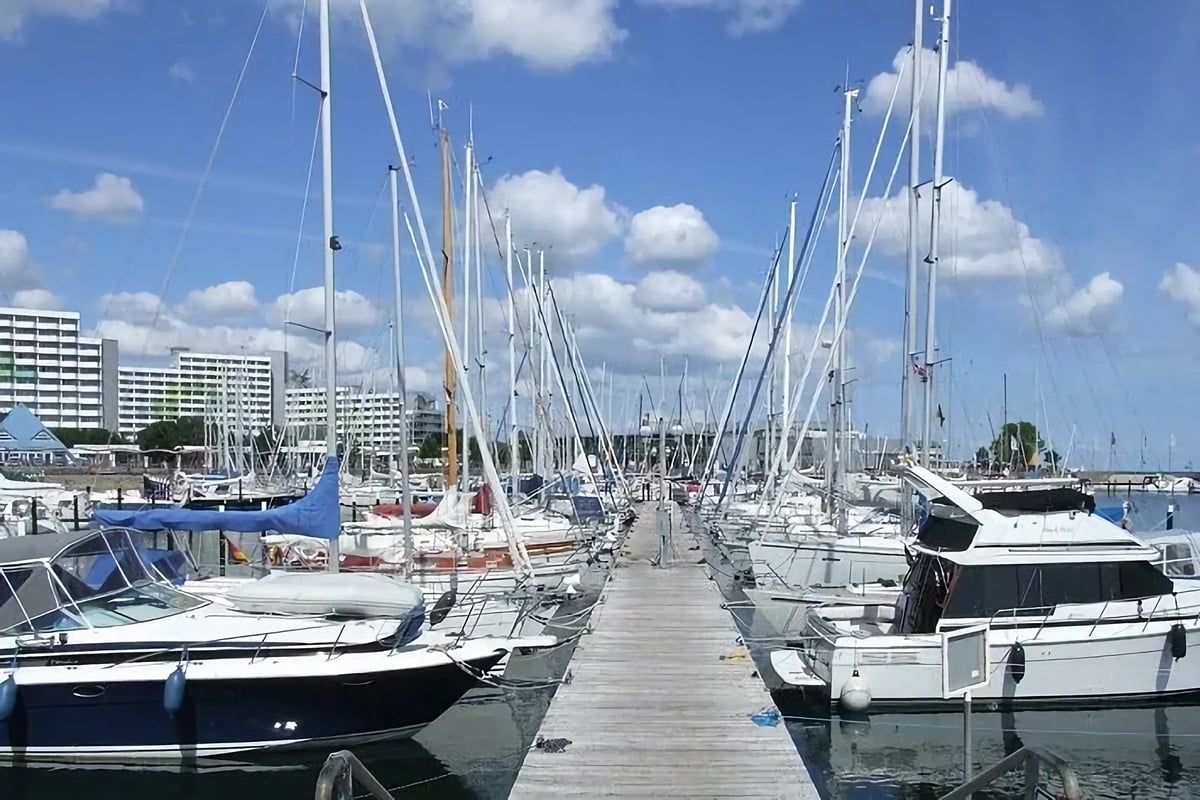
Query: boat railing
1033,759
339,775
1164,605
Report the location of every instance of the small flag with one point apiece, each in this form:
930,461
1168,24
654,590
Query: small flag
1112,440
442,105
941,418
235,552
920,371
1012,443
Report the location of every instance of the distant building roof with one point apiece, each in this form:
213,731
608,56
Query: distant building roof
21,430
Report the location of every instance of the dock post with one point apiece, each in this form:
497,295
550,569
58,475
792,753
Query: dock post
1170,516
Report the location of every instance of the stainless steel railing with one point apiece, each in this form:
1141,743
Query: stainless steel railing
338,776
1033,759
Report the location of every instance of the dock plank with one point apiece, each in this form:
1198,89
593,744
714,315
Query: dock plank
661,694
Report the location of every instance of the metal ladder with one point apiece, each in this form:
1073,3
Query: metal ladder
339,774
1032,759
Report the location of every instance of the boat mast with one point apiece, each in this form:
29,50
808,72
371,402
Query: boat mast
401,383
785,437
545,432
935,233
331,246
451,473
514,444
909,351
837,377
466,340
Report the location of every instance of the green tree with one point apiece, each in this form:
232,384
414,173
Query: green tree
431,448
169,434
982,456
77,436
1025,435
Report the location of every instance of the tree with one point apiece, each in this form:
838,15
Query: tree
431,448
169,434
77,436
982,457
299,380
1029,444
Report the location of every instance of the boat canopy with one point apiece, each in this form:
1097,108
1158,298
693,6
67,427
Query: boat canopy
317,514
1033,501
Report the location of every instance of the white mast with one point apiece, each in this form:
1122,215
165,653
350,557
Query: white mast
401,383
546,450
514,444
837,377
909,351
787,330
935,234
331,245
466,340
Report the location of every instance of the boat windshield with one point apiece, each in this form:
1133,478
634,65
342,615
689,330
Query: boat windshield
100,581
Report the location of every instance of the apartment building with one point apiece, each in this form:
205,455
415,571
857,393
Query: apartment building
247,391
65,379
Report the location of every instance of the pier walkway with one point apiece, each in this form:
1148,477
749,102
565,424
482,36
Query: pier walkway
660,696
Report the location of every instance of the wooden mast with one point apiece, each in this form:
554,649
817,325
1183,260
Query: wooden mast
451,473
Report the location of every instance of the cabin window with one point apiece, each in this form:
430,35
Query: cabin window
1031,589
1179,560
943,533
31,601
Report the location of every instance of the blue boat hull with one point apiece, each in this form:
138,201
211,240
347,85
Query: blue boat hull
120,720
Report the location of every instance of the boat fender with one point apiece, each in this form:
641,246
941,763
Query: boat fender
1177,637
441,609
173,691
8,697
1016,662
856,695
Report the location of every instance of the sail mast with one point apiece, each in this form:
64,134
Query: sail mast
910,275
451,473
401,383
331,246
935,236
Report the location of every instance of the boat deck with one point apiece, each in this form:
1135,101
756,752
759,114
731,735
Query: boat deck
661,694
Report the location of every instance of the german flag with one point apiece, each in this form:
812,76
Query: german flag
235,553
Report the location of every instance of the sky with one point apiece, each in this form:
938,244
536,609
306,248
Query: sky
156,158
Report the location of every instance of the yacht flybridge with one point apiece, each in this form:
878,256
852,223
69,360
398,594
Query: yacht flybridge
1076,611
105,659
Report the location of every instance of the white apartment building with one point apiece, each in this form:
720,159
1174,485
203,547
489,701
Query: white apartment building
243,390
66,380
366,420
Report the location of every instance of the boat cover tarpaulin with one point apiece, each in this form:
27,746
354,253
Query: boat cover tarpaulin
317,514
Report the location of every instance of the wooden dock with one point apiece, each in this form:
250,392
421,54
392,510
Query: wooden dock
661,694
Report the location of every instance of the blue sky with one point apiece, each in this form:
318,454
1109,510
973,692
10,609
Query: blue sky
1072,140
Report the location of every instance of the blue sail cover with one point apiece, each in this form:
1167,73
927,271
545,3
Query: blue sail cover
317,514
1111,513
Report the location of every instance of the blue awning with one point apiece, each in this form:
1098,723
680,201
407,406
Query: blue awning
317,514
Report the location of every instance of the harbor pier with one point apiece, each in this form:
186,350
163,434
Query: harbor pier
661,694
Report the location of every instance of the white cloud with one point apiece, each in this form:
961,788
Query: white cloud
1089,310
980,238
134,308
675,234
882,350
548,35
16,14
548,209
182,71
669,291
37,298
745,16
227,300
111,198
1182,284
353,311
968,87
15,267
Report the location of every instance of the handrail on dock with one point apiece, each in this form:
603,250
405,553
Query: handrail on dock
338,775
1032,758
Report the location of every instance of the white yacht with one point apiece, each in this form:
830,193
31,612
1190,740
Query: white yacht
1076,611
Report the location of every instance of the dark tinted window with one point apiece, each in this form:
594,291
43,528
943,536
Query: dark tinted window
981,591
